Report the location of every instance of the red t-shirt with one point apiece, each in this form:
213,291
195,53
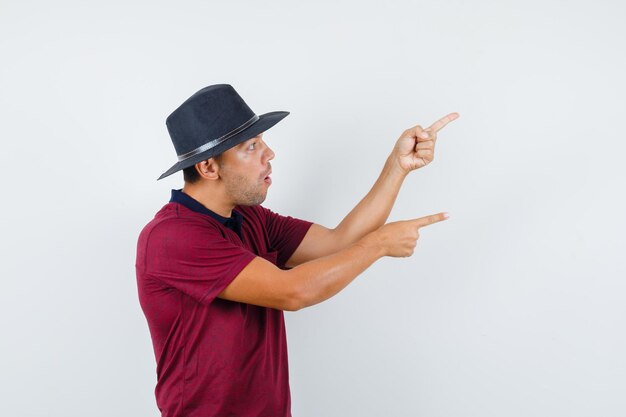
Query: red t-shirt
214,357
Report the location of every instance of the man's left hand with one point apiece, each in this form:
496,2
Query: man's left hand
416,146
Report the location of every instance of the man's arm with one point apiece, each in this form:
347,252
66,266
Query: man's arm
368,215
264,284
414,149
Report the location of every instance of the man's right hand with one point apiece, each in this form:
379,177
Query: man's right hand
398,239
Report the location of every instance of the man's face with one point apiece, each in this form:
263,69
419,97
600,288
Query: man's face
245,170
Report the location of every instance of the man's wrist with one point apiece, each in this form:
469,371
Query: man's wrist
371,243
394,170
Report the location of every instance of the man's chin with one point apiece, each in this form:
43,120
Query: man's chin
254,201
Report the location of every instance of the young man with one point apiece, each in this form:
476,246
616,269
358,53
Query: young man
215,269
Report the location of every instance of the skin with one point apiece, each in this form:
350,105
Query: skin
326,260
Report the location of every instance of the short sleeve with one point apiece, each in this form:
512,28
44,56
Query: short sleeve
194,258
285,233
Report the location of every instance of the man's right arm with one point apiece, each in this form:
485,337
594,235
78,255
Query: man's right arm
262,283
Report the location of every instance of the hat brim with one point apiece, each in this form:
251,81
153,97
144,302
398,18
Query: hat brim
265,122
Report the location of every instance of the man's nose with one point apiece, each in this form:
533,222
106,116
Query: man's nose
269,154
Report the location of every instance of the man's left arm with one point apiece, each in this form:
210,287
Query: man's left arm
413,150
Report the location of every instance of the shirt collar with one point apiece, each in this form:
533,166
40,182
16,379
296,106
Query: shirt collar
233,222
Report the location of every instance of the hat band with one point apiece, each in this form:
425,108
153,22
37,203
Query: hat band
213,143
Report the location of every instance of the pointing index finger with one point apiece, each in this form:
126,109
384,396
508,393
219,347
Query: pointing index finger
439,124
433,218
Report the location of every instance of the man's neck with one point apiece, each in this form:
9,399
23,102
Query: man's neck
211,200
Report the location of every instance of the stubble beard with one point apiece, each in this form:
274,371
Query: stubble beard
244,192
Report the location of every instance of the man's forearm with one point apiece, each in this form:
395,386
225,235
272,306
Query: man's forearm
373,210
318,280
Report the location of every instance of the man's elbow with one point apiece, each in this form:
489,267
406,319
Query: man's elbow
295,302
292,305
297,298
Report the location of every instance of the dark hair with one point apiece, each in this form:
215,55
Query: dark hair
191,174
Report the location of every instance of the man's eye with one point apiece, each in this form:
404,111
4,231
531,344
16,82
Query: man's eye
252,146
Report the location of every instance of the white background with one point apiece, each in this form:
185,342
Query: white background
513,307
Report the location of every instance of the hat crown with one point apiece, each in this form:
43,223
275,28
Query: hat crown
209,114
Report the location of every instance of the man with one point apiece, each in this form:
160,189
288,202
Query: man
215,269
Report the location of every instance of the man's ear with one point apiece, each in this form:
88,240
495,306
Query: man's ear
208,169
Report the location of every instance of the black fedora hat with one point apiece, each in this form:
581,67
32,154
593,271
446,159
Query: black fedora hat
212,121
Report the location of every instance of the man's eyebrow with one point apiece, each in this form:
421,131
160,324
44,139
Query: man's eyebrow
257,137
